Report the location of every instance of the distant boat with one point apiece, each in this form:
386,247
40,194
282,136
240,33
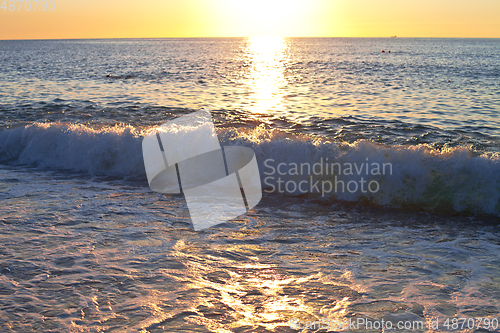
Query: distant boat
394,36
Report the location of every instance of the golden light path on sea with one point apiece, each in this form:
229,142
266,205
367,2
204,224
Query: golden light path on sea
254,293
268,55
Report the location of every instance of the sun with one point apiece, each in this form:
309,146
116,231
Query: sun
266,17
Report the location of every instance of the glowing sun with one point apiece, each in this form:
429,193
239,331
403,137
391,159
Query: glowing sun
266,17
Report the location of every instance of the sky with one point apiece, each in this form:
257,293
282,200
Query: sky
63,19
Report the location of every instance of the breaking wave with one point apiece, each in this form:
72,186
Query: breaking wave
419,177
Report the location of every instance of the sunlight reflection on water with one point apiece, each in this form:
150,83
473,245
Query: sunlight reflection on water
267,74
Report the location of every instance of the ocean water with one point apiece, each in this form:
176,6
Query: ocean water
86,246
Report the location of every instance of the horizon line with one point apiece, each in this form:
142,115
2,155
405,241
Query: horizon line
240,37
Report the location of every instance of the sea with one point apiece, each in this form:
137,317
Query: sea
379,161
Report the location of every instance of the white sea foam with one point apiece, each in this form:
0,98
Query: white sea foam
454,180
112,151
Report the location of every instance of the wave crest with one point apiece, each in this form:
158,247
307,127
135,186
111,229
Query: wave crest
452,180
111,151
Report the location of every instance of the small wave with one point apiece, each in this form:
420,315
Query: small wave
420,177
451,180
111,151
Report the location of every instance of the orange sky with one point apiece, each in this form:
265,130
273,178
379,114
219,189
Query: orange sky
239,18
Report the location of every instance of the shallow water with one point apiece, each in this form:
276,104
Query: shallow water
89,256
